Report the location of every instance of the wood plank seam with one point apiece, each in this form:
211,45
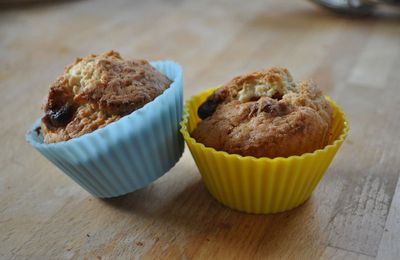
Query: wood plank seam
351,251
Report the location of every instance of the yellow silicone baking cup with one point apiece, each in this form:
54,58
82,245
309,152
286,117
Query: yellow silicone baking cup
260,185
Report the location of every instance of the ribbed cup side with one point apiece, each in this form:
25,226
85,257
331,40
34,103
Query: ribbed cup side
129,153
260,185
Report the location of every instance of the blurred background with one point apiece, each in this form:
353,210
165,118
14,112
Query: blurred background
213,40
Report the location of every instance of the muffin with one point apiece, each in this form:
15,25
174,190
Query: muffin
112,125
265,114
95,91
262,142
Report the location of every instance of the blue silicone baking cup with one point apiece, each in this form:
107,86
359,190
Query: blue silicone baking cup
127,154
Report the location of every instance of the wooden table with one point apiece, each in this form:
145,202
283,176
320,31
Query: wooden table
354,212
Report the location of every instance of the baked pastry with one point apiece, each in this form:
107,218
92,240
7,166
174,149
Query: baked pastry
265,114
96,91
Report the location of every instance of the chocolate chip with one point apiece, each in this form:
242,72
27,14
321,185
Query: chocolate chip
269,108
275,109
37,130
210,105
207,108
277,96
60,116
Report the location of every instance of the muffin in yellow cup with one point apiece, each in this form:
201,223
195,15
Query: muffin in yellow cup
261,185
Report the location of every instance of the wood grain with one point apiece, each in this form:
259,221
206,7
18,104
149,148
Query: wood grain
353,213
389,246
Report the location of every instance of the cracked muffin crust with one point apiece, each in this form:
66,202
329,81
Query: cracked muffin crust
96,91
265,114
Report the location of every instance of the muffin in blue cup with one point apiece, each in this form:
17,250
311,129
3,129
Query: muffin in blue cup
106,133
